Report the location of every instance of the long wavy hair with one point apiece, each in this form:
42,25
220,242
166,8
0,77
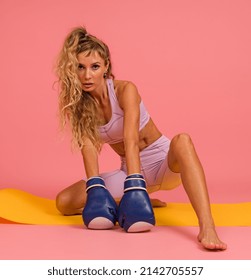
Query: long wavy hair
77,107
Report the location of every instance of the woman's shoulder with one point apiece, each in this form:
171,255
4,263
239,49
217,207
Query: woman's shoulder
124,85
125,89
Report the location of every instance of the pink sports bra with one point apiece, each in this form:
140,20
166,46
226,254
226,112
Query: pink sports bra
112,132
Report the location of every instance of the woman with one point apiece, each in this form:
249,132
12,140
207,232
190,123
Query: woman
101,110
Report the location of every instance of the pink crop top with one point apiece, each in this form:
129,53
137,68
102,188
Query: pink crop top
112,132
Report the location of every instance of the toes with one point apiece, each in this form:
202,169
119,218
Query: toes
210,240
214,246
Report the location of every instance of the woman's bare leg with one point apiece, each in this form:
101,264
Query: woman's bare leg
183,158
71,200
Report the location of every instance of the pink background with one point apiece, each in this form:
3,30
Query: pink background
191,61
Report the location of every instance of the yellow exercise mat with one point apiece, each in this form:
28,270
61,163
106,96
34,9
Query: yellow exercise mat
22,207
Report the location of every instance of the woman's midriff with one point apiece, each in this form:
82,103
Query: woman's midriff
147,136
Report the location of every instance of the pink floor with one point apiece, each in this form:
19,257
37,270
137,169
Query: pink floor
75,242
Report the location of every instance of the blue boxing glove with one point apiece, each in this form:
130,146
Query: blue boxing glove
100,211
135,213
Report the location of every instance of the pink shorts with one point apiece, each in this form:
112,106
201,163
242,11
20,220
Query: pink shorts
154,168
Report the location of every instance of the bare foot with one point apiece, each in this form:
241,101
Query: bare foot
157,203
210,240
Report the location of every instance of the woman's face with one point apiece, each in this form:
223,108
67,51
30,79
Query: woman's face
91,71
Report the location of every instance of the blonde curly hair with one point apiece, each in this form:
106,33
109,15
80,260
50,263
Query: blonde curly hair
77,107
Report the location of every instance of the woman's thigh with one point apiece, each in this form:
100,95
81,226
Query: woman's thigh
155,166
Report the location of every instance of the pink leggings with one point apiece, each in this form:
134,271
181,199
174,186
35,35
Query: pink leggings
154,167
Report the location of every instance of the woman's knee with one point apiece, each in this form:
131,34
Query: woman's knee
62,202
67,205
72,199
182,142
180,148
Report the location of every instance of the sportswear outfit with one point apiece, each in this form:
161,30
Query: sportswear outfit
153,158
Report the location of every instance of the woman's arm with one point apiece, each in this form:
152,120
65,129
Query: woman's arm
129,100
100,210
135,211
90,158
